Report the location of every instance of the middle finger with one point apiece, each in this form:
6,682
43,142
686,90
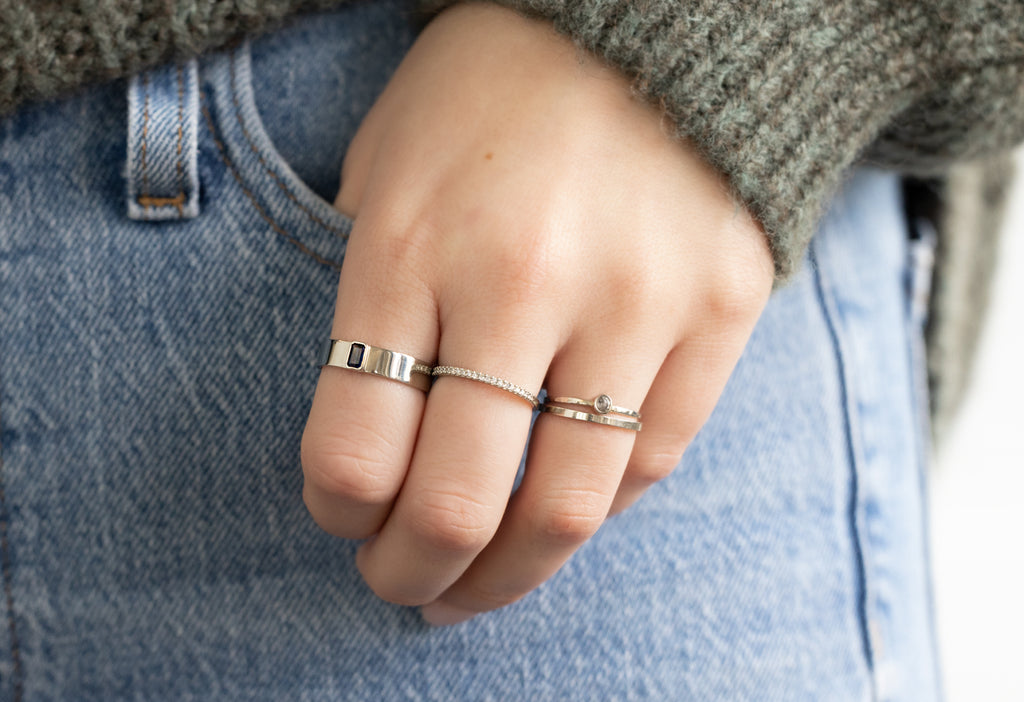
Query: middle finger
469,448
572,474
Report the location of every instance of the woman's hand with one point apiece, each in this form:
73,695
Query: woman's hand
519,213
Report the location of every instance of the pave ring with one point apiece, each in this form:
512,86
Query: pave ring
505,385
355,355
602,404
593,418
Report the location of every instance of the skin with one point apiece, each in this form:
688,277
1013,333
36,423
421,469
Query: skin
518,212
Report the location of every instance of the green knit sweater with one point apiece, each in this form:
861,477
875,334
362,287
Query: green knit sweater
779,95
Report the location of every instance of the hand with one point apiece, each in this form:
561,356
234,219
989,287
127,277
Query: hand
518,212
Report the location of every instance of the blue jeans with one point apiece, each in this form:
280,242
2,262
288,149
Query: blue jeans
156,371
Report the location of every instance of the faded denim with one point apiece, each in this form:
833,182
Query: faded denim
155,378
163,143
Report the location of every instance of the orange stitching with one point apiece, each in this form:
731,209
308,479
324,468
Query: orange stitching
178,201
181,111
145,132
266,167
259,208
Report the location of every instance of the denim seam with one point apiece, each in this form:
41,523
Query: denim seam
145,136
916,318
18,672
255,203
262,161
828,307
181,130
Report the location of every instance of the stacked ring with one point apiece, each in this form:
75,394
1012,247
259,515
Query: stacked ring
505,385
602,404
603,407
358,356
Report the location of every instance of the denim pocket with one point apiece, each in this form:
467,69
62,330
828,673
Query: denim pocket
269,187
314,81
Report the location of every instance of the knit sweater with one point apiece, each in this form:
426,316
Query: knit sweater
781,96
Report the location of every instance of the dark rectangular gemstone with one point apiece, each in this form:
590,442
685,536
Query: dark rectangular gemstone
355,355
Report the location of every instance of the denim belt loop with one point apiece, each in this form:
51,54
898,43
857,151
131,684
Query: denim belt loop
163,128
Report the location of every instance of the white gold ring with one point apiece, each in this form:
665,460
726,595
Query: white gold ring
602,404
518,391
359,356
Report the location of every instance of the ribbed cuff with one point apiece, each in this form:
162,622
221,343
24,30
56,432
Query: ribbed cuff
779,97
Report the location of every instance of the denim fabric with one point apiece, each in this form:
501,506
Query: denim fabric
155,378
163,130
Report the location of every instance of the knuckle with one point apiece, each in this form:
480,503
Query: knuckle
453,523
636,287
654,465
398,250
571,520
517,287
394,592
332,522
738,297
358,470
523,270
486,600
723,308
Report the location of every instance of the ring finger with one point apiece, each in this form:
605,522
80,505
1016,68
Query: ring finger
573,471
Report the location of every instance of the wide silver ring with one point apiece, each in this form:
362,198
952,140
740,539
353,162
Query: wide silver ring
602,404
593,418
517,390
360,356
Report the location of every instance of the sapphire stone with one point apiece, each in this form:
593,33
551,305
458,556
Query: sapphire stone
355,355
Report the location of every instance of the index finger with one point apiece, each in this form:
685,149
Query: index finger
362,427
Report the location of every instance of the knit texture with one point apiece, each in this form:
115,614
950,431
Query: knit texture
48,47
972,202
779,95
783,95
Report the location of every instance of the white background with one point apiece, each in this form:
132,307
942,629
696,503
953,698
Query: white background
977,501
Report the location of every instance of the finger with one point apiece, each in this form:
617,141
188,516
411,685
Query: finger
573,471
681,399
361,430
470,446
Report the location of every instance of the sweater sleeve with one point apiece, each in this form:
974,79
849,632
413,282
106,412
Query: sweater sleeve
783,95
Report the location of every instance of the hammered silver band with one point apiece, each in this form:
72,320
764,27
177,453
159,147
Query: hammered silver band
593,418
518,391
359,356
602,404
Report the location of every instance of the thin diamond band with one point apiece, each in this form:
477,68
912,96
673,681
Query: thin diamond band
505,385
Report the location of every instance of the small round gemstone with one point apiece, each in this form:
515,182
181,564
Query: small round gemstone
602,404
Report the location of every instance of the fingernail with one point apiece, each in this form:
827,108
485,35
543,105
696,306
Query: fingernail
441,614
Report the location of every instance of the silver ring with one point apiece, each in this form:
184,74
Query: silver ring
505,385
359,356
602,404
593,418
